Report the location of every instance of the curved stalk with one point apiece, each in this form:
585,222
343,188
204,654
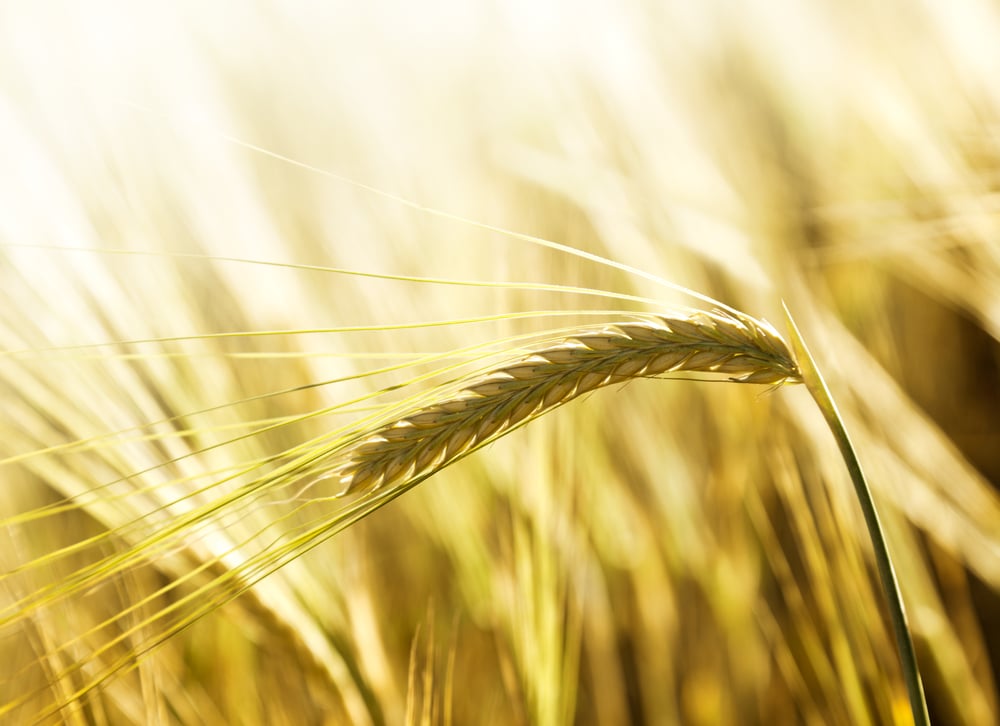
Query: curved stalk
904,642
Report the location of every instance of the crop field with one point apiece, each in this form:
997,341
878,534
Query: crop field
429,363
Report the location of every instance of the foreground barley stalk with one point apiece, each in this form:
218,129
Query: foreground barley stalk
419,443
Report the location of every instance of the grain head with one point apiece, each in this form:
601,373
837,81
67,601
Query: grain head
492,404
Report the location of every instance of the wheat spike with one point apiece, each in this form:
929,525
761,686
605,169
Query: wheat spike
493,403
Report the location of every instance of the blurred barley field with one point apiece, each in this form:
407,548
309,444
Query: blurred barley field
233,235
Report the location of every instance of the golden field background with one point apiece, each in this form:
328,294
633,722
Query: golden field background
180,184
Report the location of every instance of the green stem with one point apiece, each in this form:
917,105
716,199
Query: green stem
904,642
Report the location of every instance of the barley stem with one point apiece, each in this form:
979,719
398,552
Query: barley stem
817,387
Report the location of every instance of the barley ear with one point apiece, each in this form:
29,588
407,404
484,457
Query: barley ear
426,439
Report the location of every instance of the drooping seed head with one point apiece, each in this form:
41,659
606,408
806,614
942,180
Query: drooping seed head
491,404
